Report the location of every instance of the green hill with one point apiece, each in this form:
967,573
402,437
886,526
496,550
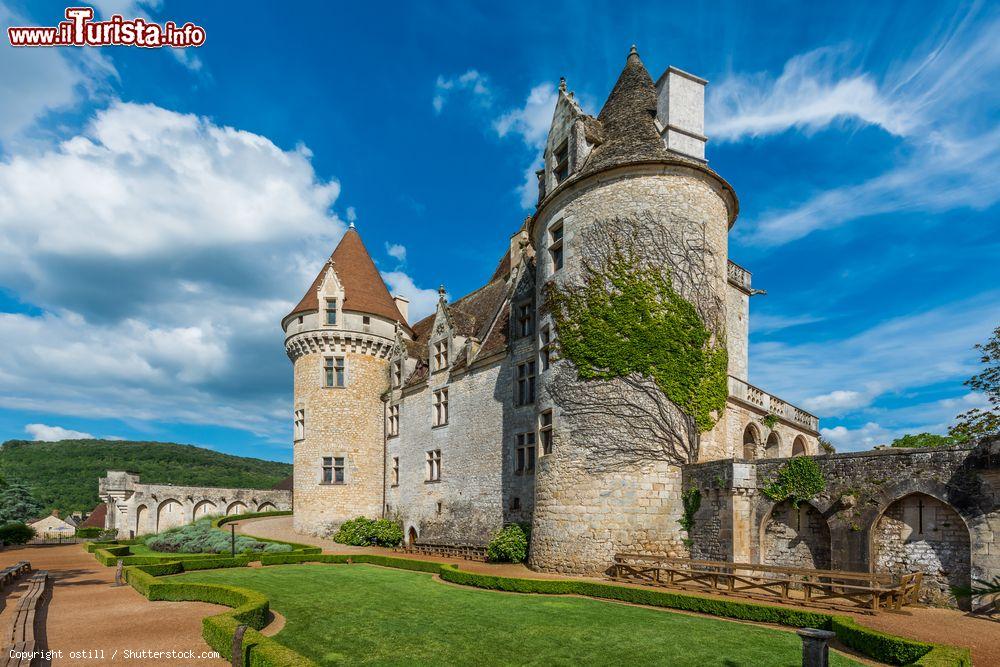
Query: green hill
63,475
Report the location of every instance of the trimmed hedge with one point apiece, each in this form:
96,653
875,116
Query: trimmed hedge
222,520
265,652
248,607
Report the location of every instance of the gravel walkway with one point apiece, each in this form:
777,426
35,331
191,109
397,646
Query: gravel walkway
944,626
86,614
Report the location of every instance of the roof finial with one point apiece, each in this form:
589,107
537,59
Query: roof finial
633,52
441,292
562,83
351,226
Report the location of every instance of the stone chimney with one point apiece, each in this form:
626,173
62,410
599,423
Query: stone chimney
680,112
403,306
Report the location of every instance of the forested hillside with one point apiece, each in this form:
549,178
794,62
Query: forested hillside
63,475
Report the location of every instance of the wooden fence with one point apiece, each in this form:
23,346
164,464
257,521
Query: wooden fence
856,591
446,550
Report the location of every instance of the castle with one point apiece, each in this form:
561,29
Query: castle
468,420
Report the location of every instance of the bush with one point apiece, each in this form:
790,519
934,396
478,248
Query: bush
16,533
89,531
362,532
200,537
509,545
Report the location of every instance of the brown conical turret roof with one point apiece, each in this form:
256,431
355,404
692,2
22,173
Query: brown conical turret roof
628,121
364,289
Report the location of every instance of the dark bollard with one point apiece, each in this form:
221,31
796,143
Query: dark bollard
238,645
816,647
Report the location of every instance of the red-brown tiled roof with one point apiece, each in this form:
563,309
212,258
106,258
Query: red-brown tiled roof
364,289
96,518
286,484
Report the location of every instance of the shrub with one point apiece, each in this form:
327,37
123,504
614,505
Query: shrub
89,531
798,480
363,532
201,537
16,533
509,545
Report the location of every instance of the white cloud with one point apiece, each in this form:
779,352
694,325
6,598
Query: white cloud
476,84
50,433
140,240
767,323
38,81
858,439
836,402
396,251
423,302
939,103
531,123
131,9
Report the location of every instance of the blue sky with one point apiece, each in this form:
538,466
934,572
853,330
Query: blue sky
160,211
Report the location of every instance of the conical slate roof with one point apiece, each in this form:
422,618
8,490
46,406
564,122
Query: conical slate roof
364,289
628,122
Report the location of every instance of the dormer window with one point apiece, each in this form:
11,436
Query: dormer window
525,320
440,355
556,245
561,169
331,311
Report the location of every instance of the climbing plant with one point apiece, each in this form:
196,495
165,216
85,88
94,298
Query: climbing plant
643,340
799,479
691,499
769,420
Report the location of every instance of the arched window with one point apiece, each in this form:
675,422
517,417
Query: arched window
751,438
799,446
772,449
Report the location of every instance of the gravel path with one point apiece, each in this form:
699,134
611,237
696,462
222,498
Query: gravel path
86,614
944,626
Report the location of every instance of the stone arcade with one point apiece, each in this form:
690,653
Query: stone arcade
138,509
454,424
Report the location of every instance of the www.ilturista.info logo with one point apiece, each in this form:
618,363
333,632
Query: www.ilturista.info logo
81,30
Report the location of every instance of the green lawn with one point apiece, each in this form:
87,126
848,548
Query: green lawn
360,613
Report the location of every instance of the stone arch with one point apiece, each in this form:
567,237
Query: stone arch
795,537
141,520
205,508
772,449
751,440
922,532
266,507
169,514
236,507
799,446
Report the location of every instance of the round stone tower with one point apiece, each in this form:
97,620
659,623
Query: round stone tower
339,338
640,161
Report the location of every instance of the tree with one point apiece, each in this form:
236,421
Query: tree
924,440
17,504
640,336
977,423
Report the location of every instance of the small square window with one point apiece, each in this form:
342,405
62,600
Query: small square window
545,348
300,424
515,504
526,383
333,470
335,369
561,169
440,407
524,453
556,245
393,424
434,465
545,431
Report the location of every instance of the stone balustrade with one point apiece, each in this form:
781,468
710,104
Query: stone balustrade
739,276
747,393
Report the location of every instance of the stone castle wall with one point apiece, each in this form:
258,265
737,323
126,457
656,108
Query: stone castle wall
339,422
584,514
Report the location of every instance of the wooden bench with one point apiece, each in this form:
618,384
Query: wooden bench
21,640
14,572
446,550
856,591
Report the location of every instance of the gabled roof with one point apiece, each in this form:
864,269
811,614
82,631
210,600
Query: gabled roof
96,518
364,289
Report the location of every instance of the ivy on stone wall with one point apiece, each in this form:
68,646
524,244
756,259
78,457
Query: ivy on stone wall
626,318
799,479
691,500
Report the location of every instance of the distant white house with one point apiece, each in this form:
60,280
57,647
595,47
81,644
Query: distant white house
53,526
